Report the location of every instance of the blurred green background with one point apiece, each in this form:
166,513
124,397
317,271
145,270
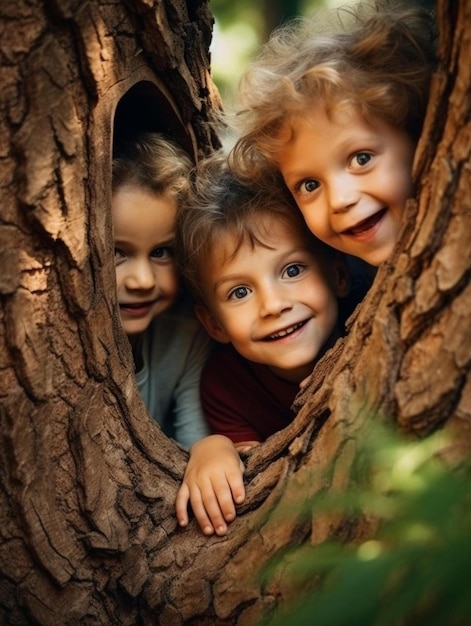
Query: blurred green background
241,26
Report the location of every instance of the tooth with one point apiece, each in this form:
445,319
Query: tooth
284,332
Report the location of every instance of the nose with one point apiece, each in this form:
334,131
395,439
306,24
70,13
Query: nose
141,275
274,300
342,193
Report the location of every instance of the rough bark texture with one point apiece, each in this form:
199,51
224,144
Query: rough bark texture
87,528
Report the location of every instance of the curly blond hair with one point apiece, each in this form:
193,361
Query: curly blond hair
378,56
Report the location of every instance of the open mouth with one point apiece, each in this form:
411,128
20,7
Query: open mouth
286,331
366,224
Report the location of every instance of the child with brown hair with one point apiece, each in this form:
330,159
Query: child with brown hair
334,114
271,294
150,177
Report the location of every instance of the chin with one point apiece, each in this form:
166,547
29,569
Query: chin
378,259
134,329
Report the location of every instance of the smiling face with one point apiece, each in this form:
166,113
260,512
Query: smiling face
273,302
350,179
146,276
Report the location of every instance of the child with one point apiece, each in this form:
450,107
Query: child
267,290
338,116
169,346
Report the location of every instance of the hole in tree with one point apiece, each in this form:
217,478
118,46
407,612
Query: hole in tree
144,108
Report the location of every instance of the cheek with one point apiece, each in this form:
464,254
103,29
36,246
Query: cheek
318,226
120,277
172,281
398,179
332,314
234,324
407,186
167,281
175,282
401,189
324,301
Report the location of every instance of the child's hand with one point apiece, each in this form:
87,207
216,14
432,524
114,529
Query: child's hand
213,481
304,382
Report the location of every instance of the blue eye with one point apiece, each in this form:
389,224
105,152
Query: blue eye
310,185
292,271
238,293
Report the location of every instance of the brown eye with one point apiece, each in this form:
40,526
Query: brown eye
164,252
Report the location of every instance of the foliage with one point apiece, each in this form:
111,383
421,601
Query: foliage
414,570
240,29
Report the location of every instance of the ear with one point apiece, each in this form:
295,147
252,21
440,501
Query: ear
341,276
211,324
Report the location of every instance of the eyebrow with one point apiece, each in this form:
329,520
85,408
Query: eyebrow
350,144
126,242
296,176
167,242
236,278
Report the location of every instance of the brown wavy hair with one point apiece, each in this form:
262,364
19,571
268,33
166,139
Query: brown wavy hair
220,203
154,163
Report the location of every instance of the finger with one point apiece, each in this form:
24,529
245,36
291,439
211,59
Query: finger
199,505
227,490
181,505
237,486
212,506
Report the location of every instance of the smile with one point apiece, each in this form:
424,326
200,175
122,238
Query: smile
286,331
366,224
136,309
136,305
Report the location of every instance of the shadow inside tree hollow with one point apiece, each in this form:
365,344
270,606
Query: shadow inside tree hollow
146,108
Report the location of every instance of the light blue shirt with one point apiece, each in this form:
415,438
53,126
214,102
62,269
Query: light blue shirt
174,349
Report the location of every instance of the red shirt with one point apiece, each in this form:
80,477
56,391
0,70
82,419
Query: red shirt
244,400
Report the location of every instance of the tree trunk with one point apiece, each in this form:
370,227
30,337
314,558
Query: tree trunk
87,527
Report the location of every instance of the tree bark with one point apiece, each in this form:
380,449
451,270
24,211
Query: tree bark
88,533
